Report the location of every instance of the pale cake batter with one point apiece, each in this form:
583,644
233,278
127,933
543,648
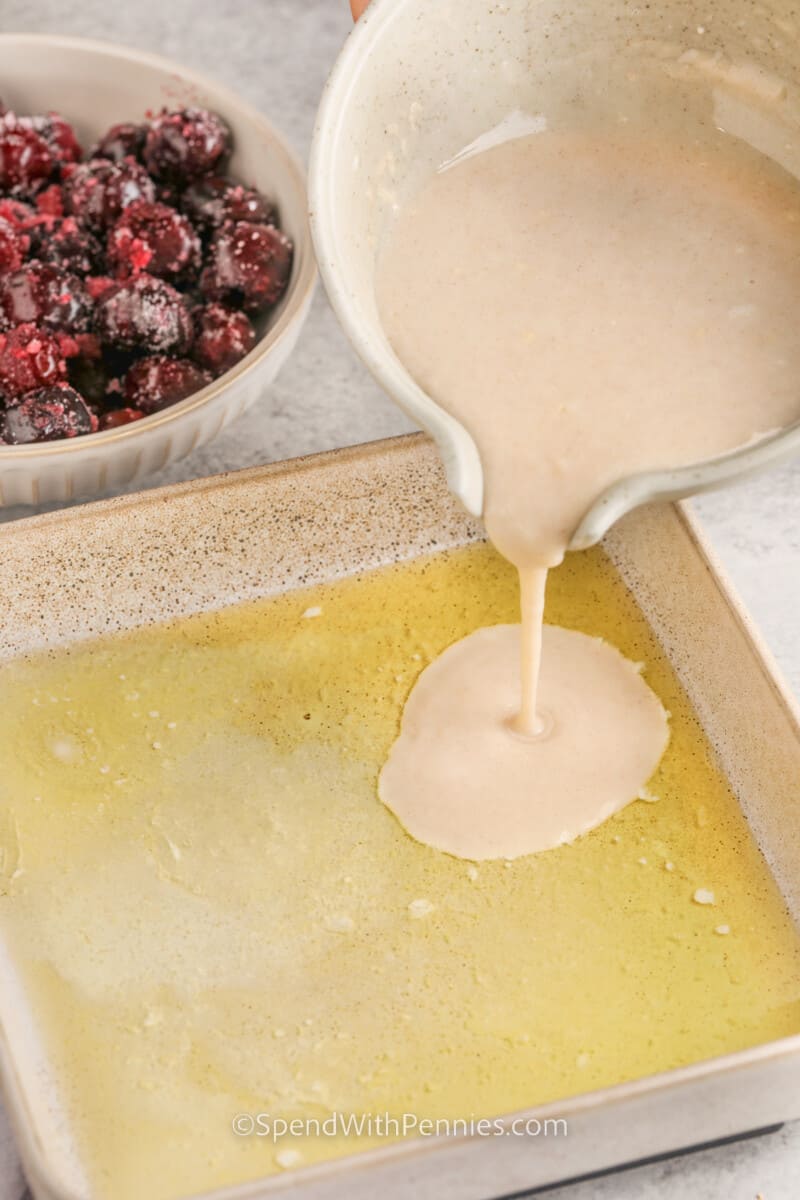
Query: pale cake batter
472,792
588,306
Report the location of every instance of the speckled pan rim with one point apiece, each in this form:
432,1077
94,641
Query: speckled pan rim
300,290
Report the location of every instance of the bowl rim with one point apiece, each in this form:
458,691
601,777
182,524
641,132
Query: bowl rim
298,294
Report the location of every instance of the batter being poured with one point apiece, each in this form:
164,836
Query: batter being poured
588,307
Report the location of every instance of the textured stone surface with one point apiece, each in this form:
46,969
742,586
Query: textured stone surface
277,54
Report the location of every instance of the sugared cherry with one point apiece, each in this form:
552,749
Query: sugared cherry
213,200
47,414
223,337
183,144
125,140
156,382
97,191
45,295
58,134
144,313
67,244
155,238
25,157
19,214
29,358
249,266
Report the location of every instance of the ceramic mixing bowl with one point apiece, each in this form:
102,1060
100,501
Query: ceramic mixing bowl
418,82
95,85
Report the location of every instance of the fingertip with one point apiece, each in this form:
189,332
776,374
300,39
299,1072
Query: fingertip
357,7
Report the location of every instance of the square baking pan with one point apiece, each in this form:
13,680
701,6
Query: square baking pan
199,546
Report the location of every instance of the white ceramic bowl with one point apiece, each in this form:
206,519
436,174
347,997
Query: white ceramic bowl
94,85
418,82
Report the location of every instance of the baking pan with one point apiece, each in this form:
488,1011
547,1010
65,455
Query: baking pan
198,546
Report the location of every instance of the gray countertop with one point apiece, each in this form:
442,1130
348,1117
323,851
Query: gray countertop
277,53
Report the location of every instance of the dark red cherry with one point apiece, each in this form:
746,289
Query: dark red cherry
223,337
125,140
214,200
17,213
155,238
25,157
144,313
97,191
249,266
29,358
58,134
66,243
156,382
185,143
47,414
45,295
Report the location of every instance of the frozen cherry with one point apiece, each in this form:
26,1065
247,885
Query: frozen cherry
223,337
155,238
186,143
17,213
25,157
48,413
14,245
156,382
249,265
144,312
58,135
213,200
67,244
45,295
29,358
125,140
97,191
120,416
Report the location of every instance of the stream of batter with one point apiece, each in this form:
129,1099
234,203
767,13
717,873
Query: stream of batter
589,306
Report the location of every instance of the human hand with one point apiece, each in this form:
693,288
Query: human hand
358,7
